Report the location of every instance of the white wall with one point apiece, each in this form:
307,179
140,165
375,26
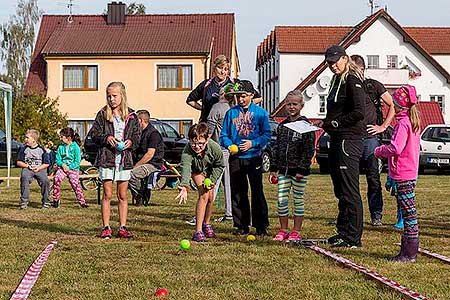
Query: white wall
380,39
294,68
443,60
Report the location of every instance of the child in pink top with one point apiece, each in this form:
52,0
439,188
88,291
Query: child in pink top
403,160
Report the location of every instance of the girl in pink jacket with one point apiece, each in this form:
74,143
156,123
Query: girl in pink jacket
403,160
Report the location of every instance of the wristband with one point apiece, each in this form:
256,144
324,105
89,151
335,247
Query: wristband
334,123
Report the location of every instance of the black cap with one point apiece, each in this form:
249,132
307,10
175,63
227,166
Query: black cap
240,87
333,53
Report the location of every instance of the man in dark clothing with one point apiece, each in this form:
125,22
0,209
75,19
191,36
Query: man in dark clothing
148,157
375,92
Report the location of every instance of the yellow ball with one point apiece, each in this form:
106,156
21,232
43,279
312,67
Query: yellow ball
251,238
233,149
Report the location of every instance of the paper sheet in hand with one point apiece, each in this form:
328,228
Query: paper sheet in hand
301,126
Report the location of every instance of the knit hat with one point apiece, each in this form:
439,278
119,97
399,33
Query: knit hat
405,97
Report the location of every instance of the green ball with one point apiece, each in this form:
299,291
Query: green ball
185,245
207,182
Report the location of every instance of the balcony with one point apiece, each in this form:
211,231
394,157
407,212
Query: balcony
389,77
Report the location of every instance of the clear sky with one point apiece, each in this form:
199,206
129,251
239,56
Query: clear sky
256,18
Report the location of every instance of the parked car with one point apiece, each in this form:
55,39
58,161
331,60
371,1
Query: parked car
323,147
174,143
267,152
15,147
435,147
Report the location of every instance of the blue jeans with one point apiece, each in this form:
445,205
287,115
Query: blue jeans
374,190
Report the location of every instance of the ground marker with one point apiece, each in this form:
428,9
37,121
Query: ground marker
396,286
24,288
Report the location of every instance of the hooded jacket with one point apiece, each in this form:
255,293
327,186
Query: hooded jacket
102,129
404,150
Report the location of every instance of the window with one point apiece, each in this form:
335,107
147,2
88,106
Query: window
439,99
81,127
373,62
80,78
181,126
322,104
392,61
174,77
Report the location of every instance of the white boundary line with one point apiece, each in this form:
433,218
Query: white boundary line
411,294
435,255
29,279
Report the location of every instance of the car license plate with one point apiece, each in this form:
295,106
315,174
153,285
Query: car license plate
438,160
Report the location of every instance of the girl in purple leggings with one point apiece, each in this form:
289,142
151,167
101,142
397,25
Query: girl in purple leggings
68,158
403,158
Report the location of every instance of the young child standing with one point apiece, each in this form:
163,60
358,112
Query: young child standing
116,130
34,161
291,162
403,159
202,160
68,158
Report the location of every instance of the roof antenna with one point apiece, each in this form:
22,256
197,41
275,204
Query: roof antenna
372,5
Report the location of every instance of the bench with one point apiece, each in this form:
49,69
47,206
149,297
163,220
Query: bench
50,177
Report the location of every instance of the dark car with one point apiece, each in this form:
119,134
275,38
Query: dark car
323,147
15,147
174,143
267,153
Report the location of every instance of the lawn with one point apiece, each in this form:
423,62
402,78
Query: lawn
82,266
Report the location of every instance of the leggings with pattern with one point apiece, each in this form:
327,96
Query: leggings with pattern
285,183
406,200
74,182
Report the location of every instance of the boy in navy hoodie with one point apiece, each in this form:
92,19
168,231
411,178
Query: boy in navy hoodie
246,131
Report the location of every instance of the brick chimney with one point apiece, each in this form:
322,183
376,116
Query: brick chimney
116,13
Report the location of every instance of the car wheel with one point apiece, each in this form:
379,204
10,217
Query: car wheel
265,162
421,170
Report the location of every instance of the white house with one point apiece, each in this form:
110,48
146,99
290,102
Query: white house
292,57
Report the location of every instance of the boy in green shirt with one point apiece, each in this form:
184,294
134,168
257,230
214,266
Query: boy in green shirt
202,160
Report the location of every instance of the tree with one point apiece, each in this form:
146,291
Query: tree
38,112
16,46
136,9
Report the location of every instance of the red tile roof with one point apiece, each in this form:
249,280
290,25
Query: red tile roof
436,40
352,37
430,113
190,34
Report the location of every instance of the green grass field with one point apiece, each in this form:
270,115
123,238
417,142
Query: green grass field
83,266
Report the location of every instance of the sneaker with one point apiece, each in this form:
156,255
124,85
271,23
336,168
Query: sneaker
192,221
341,243
376,222
84,205
199,237
224,219
261,231
333,239
124,233
281,235
106,233
55,203
209,231
241,231
294,236
45,205
23,206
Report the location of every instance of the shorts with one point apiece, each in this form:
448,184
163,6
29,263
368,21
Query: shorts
114,174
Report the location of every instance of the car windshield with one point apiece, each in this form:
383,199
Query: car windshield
171,133
437,134
2,134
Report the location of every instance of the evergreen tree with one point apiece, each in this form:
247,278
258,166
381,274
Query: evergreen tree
136,9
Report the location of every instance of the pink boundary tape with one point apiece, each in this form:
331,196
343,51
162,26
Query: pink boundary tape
379,277
24,288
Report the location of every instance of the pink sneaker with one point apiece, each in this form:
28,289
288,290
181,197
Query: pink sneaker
294,236
281,235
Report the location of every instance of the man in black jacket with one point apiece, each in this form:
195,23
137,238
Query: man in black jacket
375,93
